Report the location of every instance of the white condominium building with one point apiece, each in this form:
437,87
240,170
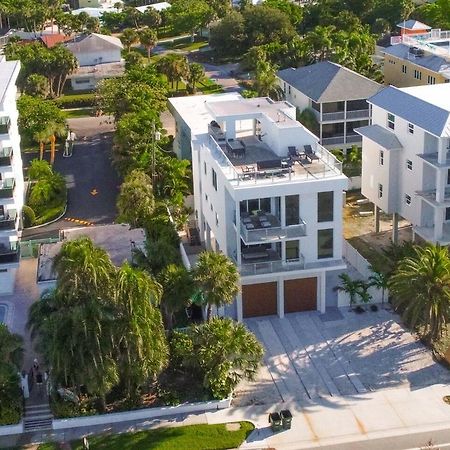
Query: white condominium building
11,177
268,196
406,158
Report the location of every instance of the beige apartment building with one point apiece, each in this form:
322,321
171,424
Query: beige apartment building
420,56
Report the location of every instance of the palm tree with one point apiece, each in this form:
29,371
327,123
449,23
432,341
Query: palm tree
129,37
218,278
178,287
227,353
140,338
350,287
11,347
421,289
148,39
196,74
174,67
379,280
266,80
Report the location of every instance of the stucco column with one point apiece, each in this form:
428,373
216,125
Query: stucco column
440,187
376,213
280,298
321,289
438,223
395,228
283,210
231,129
208,237
442,151
238,233
240,314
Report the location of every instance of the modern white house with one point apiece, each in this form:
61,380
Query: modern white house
406,158
11,176
336,96
99,56
267,195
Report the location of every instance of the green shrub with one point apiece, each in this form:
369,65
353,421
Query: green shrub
10,414
50,214
76,101
28,216
39,169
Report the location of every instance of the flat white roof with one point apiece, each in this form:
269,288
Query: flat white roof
435,94
9,70
193,109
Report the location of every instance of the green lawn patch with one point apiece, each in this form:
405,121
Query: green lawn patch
193,437
75,113
76,100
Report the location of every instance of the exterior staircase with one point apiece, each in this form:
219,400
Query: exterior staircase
37,415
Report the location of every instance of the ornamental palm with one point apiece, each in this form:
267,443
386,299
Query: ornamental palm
129,37
421,288
140,338
379,280
349,286
218,278
196,74
178,287
148,39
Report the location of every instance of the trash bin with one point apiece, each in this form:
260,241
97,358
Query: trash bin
286,418
275,421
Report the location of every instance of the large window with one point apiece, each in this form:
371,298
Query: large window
447,213
391,121
325,243
292,209
292,250
214,179
254,205
325,206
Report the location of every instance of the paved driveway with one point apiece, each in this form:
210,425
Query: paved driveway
310,356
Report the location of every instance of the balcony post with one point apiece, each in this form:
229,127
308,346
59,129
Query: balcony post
442,151
438,223
283,211
321,281
440,188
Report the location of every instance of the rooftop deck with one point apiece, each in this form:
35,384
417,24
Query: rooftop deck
251,161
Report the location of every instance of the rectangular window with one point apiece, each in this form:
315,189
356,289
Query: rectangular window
292,209
325,206
204,167
417,74
325,243
410,128
448,176
284,87
289,89
447,213
217,220
381,158
380,190
407,199
391,121
403,68
409,164
292,250
214,178
431,79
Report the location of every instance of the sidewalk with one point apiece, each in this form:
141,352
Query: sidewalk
361,417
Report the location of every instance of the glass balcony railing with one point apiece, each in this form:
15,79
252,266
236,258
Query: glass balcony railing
6,156
7,188
259,267
8,222
9,255
268,231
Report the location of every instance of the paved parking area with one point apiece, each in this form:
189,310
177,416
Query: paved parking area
311,356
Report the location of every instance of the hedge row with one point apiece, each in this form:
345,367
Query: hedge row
76,101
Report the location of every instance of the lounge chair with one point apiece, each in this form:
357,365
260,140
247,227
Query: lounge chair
294,155
309,152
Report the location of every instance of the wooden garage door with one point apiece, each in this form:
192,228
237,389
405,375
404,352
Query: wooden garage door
259,299
300,295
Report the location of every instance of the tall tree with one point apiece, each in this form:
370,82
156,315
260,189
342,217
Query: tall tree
196,74
148,39
218,278
136,202
129,37
421,289
190,15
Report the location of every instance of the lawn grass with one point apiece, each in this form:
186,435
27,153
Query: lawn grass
185,45
192,437
75,113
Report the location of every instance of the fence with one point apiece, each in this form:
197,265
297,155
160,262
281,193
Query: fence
30,249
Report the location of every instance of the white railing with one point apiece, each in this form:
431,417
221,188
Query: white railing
333,140
272,233
425,42
262,267
352,138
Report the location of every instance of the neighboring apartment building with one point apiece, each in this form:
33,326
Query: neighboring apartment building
406,159
11,177
267,195
99,56
337,97
420,56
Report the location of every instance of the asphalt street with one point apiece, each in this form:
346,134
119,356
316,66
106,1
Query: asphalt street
92,182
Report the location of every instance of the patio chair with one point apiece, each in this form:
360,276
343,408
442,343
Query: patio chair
309,152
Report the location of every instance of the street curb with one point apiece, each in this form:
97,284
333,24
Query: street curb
50,222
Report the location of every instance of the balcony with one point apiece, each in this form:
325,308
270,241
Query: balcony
9,255
333,140
333,116
7,188
4,125
353,138
271,264
8,222
266,227
6,157
358,114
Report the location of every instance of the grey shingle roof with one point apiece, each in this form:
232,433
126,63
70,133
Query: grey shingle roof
329,82
387,139
415,110
432,62
412,24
